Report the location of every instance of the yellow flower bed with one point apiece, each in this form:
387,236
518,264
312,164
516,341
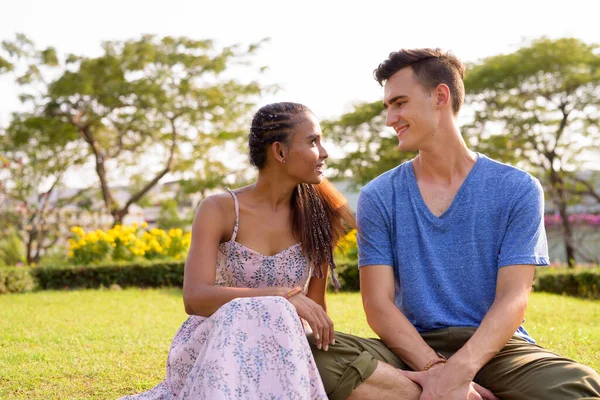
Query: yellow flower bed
126,243
347,246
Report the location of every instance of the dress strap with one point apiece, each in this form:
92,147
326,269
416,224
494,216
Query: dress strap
237,214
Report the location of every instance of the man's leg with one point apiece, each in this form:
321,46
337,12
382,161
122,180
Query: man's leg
522,370
356,368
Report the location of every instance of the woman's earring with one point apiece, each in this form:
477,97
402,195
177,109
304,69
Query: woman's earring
283,161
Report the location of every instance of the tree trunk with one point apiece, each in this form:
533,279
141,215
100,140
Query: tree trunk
100,159
561,202
567,235
29,249
119,215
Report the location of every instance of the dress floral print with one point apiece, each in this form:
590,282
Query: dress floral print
250,348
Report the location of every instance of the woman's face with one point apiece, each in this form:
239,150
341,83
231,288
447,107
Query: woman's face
306,155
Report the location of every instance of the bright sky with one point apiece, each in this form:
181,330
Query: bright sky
321,52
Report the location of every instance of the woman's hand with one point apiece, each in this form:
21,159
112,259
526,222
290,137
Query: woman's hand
317,318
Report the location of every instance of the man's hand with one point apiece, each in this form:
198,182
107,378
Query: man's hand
441,383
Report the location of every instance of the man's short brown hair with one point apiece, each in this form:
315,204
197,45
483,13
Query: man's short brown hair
431,67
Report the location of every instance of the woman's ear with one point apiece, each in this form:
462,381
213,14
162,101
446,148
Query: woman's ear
279,151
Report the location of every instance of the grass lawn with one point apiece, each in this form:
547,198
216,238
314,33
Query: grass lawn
102,344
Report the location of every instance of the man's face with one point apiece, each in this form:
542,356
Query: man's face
411,110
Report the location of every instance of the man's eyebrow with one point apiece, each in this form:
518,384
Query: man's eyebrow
393,99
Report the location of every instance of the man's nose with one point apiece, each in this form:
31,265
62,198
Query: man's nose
390,118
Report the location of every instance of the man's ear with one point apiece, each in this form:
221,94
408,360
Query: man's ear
442,96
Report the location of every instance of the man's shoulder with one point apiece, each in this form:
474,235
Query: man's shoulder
504,174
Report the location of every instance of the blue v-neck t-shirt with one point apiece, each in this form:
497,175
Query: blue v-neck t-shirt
446,267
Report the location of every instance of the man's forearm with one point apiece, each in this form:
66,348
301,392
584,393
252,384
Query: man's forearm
498,326
399,335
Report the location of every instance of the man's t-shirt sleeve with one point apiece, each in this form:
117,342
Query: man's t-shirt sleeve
374,238
525,238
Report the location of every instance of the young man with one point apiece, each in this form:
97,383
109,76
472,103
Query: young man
448,244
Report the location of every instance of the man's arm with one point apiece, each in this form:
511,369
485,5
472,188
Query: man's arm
377,284
523,247
500,323
377,290
453,380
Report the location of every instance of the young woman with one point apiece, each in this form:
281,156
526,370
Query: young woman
256,269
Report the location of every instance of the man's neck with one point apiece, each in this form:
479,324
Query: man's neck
445,163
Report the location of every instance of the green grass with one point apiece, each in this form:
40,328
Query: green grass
103,344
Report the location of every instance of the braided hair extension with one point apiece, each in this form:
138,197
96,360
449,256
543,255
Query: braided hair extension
318,211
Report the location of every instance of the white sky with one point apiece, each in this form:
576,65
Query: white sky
322,53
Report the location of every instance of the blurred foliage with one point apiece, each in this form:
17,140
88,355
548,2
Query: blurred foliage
369,147
539,108
143,109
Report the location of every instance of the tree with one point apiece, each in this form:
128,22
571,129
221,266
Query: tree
169,216
539,108
144,108
31,207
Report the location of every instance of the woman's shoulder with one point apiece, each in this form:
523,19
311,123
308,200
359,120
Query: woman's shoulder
216,207
218,210
223,203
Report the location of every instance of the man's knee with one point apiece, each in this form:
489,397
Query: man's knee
343,367
525,371
579,379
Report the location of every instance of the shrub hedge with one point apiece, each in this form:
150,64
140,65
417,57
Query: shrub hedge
580,282
16,280
140,274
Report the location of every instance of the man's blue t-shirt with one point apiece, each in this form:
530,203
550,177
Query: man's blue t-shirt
446,267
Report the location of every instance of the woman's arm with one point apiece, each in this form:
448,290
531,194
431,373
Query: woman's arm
322,326
317,288
200,295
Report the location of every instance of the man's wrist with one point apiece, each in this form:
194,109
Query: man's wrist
463,367
440,359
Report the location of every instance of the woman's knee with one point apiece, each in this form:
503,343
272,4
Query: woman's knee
261,306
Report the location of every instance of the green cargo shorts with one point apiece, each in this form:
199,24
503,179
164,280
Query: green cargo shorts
520,371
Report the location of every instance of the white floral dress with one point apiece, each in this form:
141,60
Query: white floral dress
250,348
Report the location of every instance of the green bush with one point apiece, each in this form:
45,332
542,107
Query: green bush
138,274
12,250
55,257
347,274
579,282
3,288
346,259
16,280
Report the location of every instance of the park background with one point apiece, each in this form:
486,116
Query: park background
118,118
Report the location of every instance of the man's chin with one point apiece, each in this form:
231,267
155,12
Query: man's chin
405,147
